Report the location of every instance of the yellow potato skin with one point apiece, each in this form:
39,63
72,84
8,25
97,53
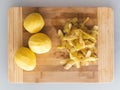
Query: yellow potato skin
25,59
34,23
40,43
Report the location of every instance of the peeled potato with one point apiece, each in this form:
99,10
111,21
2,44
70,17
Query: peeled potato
33,23
40,43
25,59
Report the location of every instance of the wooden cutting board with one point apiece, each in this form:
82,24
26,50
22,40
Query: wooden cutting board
48,68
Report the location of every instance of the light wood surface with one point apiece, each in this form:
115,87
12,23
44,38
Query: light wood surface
48,68
14,42
105,44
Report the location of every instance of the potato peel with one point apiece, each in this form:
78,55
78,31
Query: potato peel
80,43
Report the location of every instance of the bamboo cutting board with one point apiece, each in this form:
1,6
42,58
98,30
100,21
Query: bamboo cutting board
48,68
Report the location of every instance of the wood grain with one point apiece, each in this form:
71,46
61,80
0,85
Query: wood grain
48,68
105,44
15,42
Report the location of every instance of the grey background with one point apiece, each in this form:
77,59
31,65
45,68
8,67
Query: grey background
5,85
